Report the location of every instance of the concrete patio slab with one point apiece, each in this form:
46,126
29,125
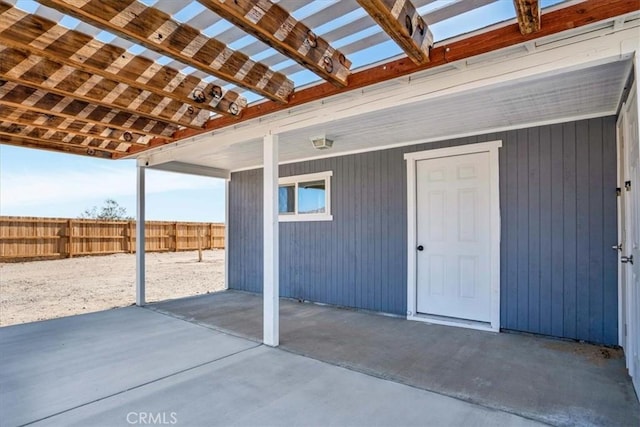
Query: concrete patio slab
556,382
264,386
53,366
134,366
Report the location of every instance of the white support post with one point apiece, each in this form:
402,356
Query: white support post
140,243
226,233
271,291
636,66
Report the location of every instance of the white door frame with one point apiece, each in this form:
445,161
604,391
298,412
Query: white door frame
621,143
412,227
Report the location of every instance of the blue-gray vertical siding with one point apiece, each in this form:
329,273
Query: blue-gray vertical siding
558,216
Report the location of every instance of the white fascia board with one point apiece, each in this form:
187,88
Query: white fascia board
191,169
600,47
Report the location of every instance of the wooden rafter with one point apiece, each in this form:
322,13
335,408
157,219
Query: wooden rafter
36,133
19,96
574,16
528,13
157,31
273,25
23,68
53,122
73,48
56,146
402,22
21,127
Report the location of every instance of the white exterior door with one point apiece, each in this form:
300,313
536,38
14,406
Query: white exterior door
453,236
629,146
629,234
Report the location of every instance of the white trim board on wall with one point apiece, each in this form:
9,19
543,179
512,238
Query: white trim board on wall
412,159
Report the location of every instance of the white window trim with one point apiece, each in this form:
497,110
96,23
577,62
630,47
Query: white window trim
412,285
295,179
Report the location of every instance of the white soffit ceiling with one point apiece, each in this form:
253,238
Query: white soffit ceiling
588,92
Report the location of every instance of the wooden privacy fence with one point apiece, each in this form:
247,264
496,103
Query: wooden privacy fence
23,238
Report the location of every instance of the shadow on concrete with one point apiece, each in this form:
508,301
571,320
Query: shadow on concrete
553,381
132,366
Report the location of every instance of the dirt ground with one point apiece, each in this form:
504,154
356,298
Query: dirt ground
40,290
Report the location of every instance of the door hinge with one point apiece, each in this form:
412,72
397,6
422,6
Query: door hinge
627,185
618,191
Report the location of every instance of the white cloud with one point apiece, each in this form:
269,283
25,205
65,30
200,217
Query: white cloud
57,186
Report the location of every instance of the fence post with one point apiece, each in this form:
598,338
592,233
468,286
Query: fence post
70,237
131,231
175,237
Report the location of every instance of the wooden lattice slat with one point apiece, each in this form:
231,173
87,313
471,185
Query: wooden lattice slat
53,122
21,67
20,96
38,133
56,146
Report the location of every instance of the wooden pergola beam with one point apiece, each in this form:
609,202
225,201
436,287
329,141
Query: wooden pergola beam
20,126
19,96
528,14
402,22
36,133
57,147
574,16
273,25
21,67
156,30
43,37
54,122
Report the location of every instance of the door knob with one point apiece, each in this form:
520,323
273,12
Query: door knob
420,248
617,247
627,259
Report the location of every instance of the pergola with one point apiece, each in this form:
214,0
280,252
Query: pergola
114,78
128,76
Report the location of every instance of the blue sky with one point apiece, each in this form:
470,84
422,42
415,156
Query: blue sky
42,183
49,184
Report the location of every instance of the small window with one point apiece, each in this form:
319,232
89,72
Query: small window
305,197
